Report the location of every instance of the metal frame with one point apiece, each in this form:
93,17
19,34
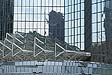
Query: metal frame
33,51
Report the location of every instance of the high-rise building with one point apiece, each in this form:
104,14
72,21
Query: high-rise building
100,31
74,23
108,30
6,17
85,22
56,25
84,27
108,20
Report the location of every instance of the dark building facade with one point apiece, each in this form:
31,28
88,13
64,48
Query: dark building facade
108,20
88,25
56,25
108,30
102,31
6,17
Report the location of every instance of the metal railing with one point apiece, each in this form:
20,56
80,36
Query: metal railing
39,45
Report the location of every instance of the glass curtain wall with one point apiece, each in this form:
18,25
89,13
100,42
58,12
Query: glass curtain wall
99,47
98,31
6,17
32,15
74,22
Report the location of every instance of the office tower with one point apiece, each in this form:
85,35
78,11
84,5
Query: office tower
108,30
108,20
6,17
56,25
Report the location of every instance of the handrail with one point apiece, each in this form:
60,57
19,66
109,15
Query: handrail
38,40
58,41
56,44
44,43
4,50
60,46
39,47
43,50
81,53
48,51
72,51
5,45
12,47
20,35
1,50
8,40
38,53
35,48
15,44
7,34
69,51
60,53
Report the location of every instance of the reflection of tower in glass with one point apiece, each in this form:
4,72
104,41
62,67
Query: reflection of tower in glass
6,17
56,25
108,31
108,20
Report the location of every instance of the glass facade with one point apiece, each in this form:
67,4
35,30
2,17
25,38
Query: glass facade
98,31
99,47
6,17
32,15
77,20
74,22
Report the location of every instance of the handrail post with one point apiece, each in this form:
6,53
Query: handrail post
13,46
55,48
3,51
34,47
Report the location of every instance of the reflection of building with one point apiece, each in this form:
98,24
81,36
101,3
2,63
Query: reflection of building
102,51
6,17
56,25
108,30
108,20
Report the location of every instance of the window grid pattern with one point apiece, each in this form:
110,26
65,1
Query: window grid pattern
74,22
32,15
98,31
